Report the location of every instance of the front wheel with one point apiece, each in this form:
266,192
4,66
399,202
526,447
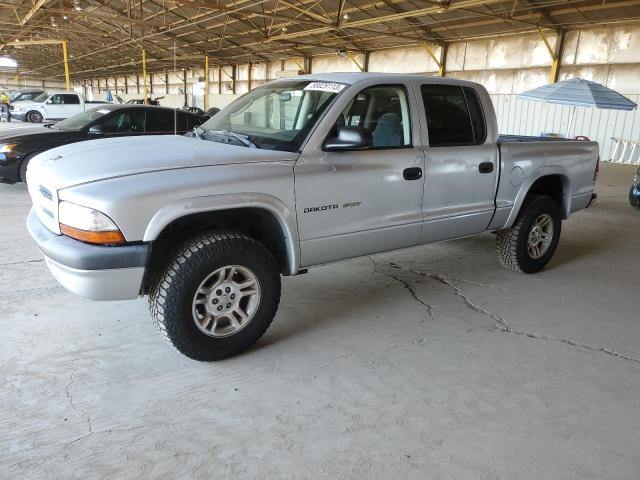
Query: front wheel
532,240
217,297
34,117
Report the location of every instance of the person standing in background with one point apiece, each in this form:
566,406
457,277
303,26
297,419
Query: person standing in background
5,109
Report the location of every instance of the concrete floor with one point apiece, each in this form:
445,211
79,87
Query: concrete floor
396,367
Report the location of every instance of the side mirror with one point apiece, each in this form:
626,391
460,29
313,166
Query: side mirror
349,138
96,130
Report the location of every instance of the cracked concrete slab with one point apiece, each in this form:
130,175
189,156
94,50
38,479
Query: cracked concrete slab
432,362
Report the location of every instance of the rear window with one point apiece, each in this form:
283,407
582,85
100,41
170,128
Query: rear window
454,116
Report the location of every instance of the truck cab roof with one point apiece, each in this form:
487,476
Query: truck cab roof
353,78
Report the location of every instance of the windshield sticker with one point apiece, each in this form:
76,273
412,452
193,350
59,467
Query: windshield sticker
326,87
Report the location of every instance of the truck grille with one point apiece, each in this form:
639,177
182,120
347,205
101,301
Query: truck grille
44,199
46,193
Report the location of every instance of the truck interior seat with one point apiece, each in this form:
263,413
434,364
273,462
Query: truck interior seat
388,131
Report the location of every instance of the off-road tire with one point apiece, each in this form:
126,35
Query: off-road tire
34,117
172,293
511,243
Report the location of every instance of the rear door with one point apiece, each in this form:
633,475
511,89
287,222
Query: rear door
160,121
72,104
460,163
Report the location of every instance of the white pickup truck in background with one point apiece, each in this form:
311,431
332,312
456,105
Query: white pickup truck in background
52,106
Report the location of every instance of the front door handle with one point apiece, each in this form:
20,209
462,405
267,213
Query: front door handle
485,167
413,173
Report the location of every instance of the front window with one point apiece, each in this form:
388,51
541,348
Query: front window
274,117
42,97
384,111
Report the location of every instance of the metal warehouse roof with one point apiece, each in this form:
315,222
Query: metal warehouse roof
105,37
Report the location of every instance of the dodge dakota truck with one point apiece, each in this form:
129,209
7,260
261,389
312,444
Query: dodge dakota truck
297,173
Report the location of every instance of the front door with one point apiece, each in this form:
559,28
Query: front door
55,107
354,203
461,163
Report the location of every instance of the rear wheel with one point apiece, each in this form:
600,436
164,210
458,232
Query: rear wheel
34,117
532,240
217,297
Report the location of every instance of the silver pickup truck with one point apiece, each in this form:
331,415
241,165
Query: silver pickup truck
297,173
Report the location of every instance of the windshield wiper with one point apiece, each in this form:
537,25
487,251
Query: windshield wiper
243,139
199,132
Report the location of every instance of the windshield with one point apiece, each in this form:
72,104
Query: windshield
81,120
42,97
275,117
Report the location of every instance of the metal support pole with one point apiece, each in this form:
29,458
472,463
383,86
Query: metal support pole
249,78
184,79
65,57
555,54
444,49
144,76
206,83
233,79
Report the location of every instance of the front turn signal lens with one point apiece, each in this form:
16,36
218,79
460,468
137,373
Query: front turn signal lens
88,225
96,238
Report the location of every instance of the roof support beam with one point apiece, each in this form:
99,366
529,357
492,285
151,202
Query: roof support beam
439,59
32,12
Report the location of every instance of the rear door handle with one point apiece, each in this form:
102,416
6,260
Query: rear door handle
485,167
413,173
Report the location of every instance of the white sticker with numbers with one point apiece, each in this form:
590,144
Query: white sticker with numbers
326,87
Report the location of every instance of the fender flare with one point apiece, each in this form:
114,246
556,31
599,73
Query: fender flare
211,203
535,175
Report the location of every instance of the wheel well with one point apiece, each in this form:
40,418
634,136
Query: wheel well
22,162
256,223
553,186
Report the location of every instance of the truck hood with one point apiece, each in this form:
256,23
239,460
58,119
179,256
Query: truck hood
95,160
25,104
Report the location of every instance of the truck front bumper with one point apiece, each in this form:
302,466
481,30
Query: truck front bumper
91,271
19,116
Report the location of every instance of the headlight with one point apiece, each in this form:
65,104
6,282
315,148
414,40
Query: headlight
17,108
6,147
87,224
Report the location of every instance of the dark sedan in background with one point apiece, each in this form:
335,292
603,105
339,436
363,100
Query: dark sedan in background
634,193
19,145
